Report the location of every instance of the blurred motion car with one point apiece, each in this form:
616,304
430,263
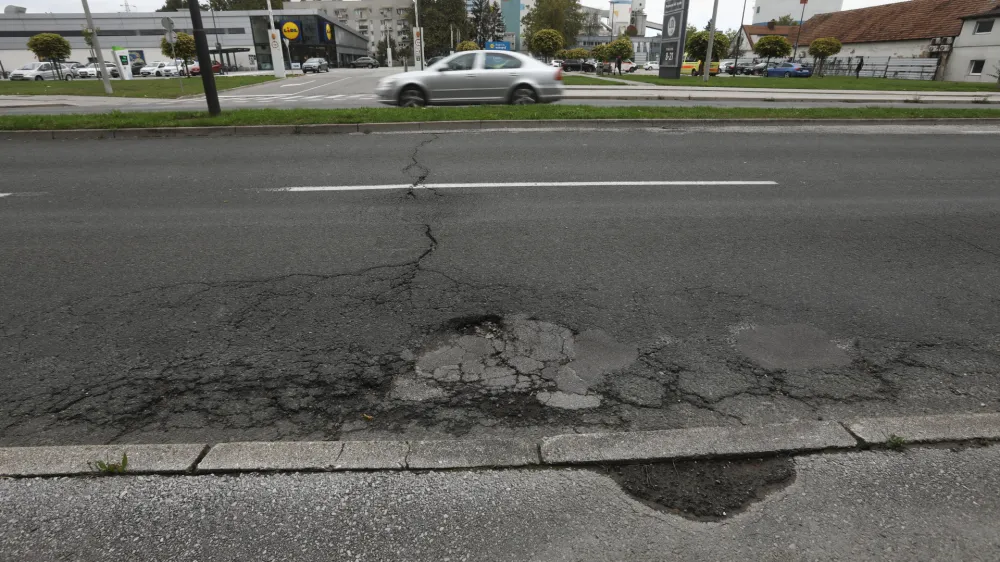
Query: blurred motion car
789,70
475,77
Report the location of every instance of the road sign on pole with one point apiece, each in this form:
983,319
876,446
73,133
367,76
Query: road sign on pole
675,13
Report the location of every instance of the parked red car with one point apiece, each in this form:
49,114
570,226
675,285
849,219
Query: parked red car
196,69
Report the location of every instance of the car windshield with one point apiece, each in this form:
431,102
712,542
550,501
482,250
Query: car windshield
31,66
317,61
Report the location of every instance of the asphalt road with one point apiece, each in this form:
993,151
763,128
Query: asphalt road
157,290
922,505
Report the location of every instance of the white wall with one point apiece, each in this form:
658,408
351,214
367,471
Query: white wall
969,47
774,9
915,48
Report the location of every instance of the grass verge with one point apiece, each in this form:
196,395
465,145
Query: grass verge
125,120
576,80
138,88
820,83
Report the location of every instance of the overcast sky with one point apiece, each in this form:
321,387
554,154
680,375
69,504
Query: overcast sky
701,10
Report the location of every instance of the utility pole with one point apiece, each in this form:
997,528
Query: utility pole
97,49
706,70
218,44
798,32
739,38
388,45
204,60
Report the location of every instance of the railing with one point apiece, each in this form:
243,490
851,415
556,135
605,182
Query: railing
905,68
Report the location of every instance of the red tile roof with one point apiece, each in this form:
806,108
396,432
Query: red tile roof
761,30
917,19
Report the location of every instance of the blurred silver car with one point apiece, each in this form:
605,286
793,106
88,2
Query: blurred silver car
475,77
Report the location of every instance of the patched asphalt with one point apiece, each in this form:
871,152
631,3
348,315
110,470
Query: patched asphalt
163,296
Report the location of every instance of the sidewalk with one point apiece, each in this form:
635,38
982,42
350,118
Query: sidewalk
920,504
640,91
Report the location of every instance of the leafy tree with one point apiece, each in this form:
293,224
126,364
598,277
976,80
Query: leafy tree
786,19
439,18
690,29
183,49
620,48
467,46
697,47
600,52
546,42
179,6
591,23
51,47
772,46
381,52
565,16
822,48
486,21
88,37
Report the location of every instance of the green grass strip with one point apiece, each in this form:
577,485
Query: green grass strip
122,120
820,83
138,88
578,80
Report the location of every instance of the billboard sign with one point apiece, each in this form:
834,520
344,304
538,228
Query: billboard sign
497,46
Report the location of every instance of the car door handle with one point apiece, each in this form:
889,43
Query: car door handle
514,74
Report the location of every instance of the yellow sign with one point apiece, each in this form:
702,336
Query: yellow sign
290,30
329,32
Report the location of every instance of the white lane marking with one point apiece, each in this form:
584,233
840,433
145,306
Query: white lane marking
323,84
342,95
296,84
518,184
4,194
320,96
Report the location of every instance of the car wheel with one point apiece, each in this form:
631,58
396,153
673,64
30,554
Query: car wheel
411,96
369,66
68,77
39,78
158,73
523,95
787,74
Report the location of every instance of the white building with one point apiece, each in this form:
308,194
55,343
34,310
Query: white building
767,10
975,54
242,36
373,19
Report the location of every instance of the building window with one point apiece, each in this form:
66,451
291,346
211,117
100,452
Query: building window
976,67
984,26
758,11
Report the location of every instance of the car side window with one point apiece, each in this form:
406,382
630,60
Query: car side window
498,61
786,65
462,62
45,67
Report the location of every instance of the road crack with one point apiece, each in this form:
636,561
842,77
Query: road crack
422,170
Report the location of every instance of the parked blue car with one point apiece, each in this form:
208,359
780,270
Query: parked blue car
788,70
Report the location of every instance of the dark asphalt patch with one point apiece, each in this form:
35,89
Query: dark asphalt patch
708,490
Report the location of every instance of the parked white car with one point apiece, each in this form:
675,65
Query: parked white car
92,70
651,66
556,63
39,71
161,68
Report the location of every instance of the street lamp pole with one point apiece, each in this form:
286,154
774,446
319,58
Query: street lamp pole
102,69
739,39
798,33
416,16
706,71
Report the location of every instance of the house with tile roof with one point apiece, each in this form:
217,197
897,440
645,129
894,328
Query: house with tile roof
904,29
975,53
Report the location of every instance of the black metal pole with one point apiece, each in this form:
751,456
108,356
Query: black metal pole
204,60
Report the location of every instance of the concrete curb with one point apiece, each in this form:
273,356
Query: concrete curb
917,99
446,126
927,429
801,437
79,459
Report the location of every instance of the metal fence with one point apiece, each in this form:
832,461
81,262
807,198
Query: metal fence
882,67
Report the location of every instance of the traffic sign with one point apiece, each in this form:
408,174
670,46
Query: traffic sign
171,36
167,24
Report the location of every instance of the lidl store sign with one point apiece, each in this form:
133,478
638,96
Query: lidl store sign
290,30
497,46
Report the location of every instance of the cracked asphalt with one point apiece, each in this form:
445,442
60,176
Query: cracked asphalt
157,291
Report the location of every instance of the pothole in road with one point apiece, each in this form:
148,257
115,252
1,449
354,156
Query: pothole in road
708,490
513,354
